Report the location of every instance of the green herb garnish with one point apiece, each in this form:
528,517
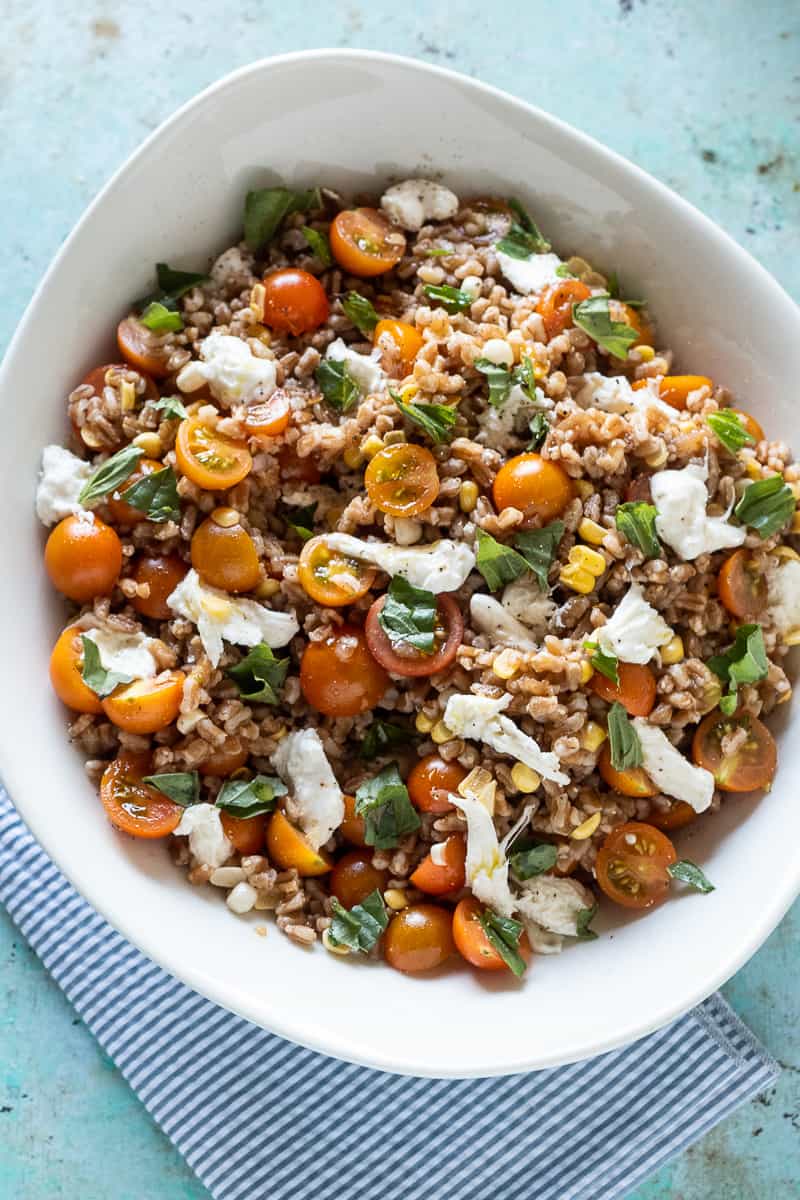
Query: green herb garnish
182,787
523,238
593,316
623,740
498,564
499,379
606,664
689,872
320,246
172,407
535,860
583,920
538,548
110,474
95,675
743,662
766,505
504,934
337,384
361,312
260,675
730,430
301,521
437,420
451,299
266,208
383,736
388,813
155,495
525,375
359,927
539,428
408,616
245,798
637,520
160,319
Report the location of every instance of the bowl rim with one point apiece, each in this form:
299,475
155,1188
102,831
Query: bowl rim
328,1042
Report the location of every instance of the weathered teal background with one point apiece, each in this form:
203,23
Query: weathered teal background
706,97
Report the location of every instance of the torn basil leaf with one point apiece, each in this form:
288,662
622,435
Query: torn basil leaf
593,316
538,547
524,237
95,675
498,564
388,813
535,860
301,520
729,429
539,427
337,385
383,736
606,664
245,798
499,379
359,927
525,375
160,319
766,505
637,520
172,407
623,740
110,474
583,920
181,787
504,934
689,872
743,662
172,285
361,312
319,244
260,675
266,208
451,299
155,495
408,616
437,420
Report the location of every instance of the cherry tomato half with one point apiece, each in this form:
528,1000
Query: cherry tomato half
230,757
287,848
269,419
750,423
352,827
540,489
162,574
66,666
742,588
83,558
430,782
402,480
338,675
471,940
406,660
746,767
677,816
143,349
125,514
224,553
555,306
636,690
442,879
211,460
330,577
619,311
294,301
354,877
632,863
365,243
146,705
628,781
135,807
399,343
246,834
419,938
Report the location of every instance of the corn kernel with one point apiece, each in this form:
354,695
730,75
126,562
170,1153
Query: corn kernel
353,457
423,723
785,552
441,734
468,496
586,828
658,458
257,297
150,443
524,778
225,517
591,532
583,488
506,664
395,898
395,437
267,588
646,353
593,736
409,392
587,671
673,652
753,468
795,525
577,579
332,946
590,560
127,395
792,638
482,786
371,445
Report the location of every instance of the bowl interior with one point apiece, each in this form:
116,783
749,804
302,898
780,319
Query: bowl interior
301,119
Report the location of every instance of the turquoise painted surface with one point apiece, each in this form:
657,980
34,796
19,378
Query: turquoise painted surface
705,97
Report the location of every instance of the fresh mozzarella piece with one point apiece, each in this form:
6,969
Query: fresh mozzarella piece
783,578
613,393
533,274
365,369
126,653
440,567
526,601
480,719
498,351
202,825
486,864
414,201
302,763
490,617
542,941
61,481
554,903
231,370
219,616
670,771
497,424
635,630
682,521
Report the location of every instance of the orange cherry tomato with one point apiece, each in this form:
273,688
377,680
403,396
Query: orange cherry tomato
619,311
338,675
352,827
419,938
293,468
399,343
224,553
143,349
636,691
749,766
676,389
354,877
442,880
211,460
123,513
146,705
555,306
330,577
246,834
742,587
631,866
678,815
162,574
269,419
630,781
66,665
750,423
135,807
402,659
365,243
430,782
223,762
294,301
83,558
471,940
402,480
540,489
288,849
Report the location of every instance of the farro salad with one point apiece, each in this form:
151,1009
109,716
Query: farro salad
417,599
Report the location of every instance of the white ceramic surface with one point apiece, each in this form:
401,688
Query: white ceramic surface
353,120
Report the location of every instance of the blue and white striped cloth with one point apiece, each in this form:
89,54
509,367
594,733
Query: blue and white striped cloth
258,1118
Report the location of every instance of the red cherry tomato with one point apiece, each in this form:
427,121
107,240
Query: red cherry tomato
406,660
294,301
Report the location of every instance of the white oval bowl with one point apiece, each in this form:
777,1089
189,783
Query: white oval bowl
353,120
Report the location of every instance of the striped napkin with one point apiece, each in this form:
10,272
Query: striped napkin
258,1118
